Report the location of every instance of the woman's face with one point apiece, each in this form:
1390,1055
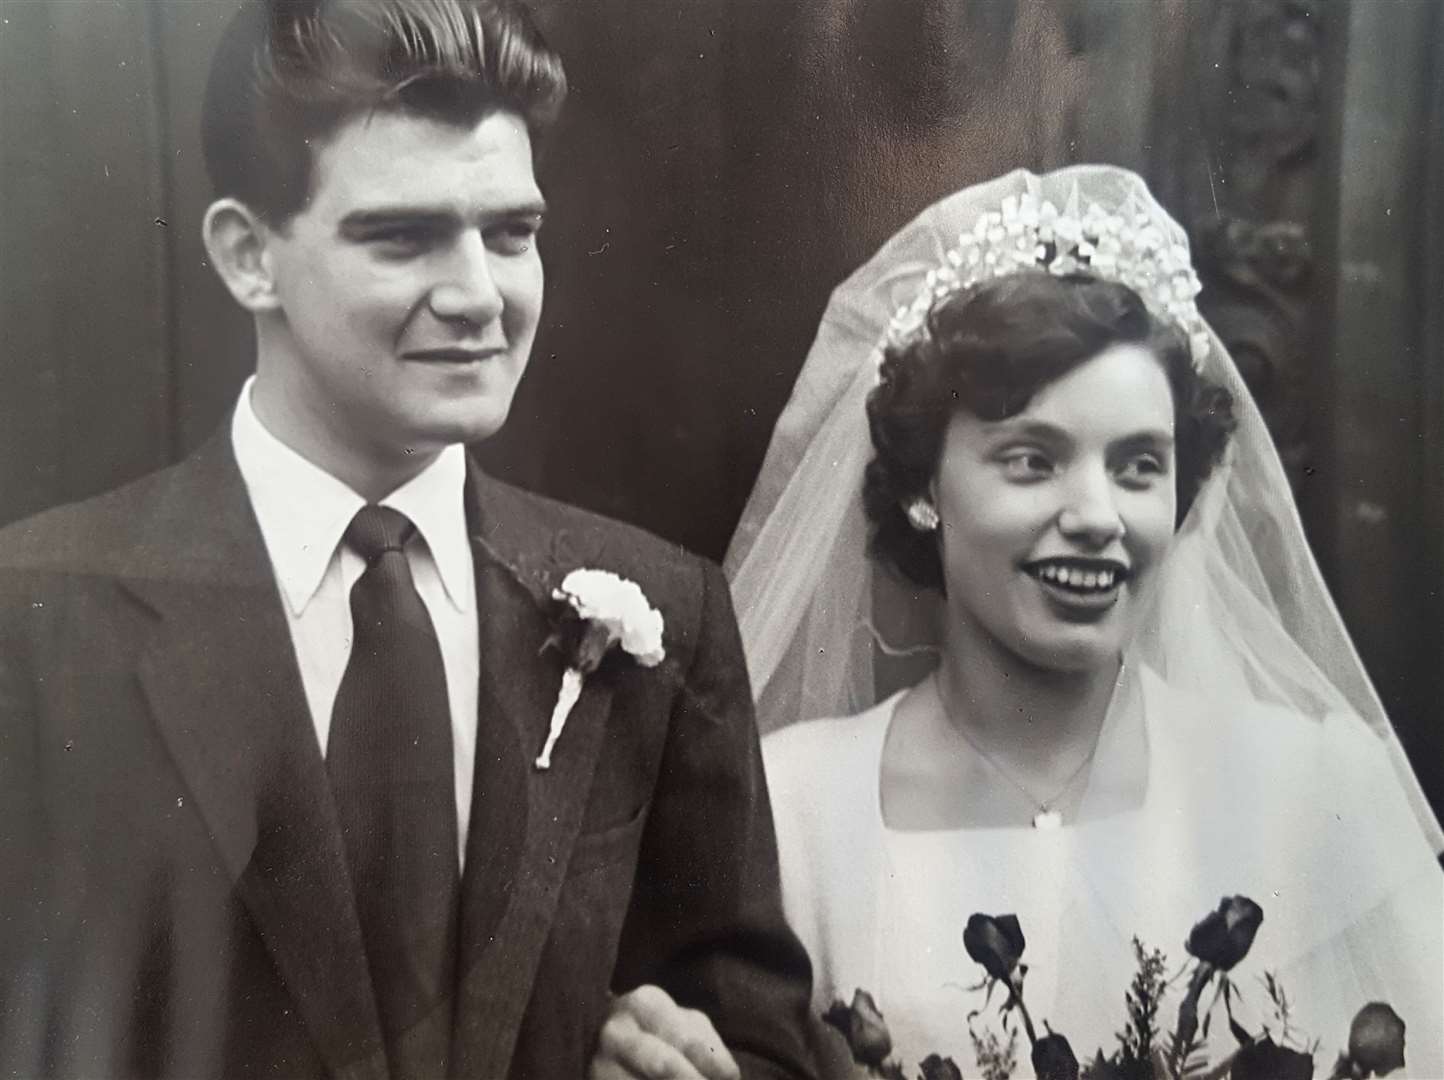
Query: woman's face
1054,521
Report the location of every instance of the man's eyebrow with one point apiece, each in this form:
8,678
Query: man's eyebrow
359,220
530,208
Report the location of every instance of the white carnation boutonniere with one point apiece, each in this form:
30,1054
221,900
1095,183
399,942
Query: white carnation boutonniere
596,611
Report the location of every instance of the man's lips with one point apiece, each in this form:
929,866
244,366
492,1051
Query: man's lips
454,354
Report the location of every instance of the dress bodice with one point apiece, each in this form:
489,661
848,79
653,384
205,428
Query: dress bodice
1278,808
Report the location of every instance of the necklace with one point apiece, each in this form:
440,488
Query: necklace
1045,817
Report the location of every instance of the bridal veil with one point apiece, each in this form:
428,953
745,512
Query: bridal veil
1241,612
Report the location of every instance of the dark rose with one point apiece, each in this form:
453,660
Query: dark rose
862,1025
996,942
1053,1058
1101,1068
1376,1039
1223,937
1267,1060
940,1068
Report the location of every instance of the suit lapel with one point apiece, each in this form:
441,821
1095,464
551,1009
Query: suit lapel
221,679
523,821
222,682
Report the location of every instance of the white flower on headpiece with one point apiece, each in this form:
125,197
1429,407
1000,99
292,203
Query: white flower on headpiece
1124,244
1028,210
1200,345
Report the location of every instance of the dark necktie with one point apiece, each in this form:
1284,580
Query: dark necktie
389,757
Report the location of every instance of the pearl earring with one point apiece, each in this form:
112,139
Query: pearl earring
922,515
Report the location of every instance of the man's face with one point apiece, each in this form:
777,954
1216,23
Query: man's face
407,292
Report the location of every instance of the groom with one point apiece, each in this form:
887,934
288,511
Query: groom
270,719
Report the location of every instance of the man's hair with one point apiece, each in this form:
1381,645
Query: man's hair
288,73
989,349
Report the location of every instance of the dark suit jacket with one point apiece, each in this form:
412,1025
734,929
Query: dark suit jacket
173,892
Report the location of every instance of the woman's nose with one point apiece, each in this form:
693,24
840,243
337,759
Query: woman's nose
467,290
1090,509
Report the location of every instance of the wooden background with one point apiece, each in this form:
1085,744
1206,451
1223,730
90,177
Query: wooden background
720,166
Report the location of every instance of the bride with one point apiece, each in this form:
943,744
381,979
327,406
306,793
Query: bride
1078,661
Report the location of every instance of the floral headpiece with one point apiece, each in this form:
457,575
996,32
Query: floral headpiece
1126,246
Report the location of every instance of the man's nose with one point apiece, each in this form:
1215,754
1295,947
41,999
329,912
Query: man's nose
1090,509
467,290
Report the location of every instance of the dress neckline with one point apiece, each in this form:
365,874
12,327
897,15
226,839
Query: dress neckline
1117,783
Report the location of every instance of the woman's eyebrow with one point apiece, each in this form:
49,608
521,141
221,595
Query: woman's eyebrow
1040,430
1151,439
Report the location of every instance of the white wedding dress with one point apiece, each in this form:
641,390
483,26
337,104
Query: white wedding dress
1189,800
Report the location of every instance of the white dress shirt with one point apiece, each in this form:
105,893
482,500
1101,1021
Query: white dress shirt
303,512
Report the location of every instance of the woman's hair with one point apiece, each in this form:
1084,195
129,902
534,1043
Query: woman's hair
288,73
988,349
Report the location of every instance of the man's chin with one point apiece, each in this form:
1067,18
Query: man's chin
471,433
469,426
414,451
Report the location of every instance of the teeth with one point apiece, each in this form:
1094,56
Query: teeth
1074,578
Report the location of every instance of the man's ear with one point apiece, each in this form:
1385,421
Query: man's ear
238,241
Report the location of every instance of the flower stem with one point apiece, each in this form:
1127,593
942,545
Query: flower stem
1188,1015
571,689
1015,997
1344,1069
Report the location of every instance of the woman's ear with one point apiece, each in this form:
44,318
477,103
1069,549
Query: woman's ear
237,241
921,513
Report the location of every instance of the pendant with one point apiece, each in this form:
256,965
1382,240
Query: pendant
1046,820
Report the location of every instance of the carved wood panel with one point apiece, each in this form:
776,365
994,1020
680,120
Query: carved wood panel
1255,235
1293,138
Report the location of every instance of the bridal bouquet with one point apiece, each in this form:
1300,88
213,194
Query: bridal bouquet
1217,944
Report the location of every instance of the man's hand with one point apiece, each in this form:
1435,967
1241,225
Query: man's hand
648,1036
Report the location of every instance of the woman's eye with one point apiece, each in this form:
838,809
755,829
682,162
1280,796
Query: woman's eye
1026,465
1142,469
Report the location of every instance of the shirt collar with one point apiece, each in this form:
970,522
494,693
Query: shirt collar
303,510
434,499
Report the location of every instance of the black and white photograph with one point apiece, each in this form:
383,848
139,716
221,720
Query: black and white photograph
717,539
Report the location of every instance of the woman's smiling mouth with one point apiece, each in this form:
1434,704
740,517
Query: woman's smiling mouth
1080,584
